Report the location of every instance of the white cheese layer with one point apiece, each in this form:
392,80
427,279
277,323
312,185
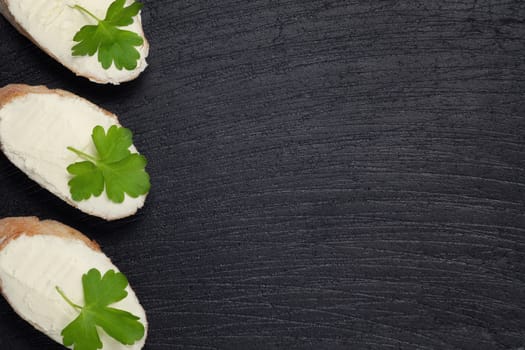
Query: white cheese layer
35,131
32,266
53,24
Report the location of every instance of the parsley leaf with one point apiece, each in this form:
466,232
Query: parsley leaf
113,44
115,168
99,293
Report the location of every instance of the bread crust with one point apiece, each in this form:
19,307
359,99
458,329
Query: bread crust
13,227
12,91
4,10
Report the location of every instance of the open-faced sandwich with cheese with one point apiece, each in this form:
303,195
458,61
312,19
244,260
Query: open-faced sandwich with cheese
60,282
101,40
74,149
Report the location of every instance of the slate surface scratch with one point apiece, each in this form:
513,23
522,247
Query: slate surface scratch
326,174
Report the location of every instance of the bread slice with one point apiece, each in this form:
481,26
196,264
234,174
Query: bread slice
36,127
51,25
35,257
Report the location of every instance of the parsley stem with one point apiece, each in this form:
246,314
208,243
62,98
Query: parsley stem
82,154
86,11
73,305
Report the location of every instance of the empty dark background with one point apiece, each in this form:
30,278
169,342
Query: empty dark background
326,174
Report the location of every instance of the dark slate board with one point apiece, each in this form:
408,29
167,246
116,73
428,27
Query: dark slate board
326,174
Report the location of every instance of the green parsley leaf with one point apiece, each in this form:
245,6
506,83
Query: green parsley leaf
114,45
114,167
99,293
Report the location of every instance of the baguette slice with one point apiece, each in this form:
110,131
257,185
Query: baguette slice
52,24
35,257
36,127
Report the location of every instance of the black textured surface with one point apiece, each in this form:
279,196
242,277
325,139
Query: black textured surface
326,174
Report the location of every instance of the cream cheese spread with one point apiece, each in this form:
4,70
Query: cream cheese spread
53,24
32,266
35,131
